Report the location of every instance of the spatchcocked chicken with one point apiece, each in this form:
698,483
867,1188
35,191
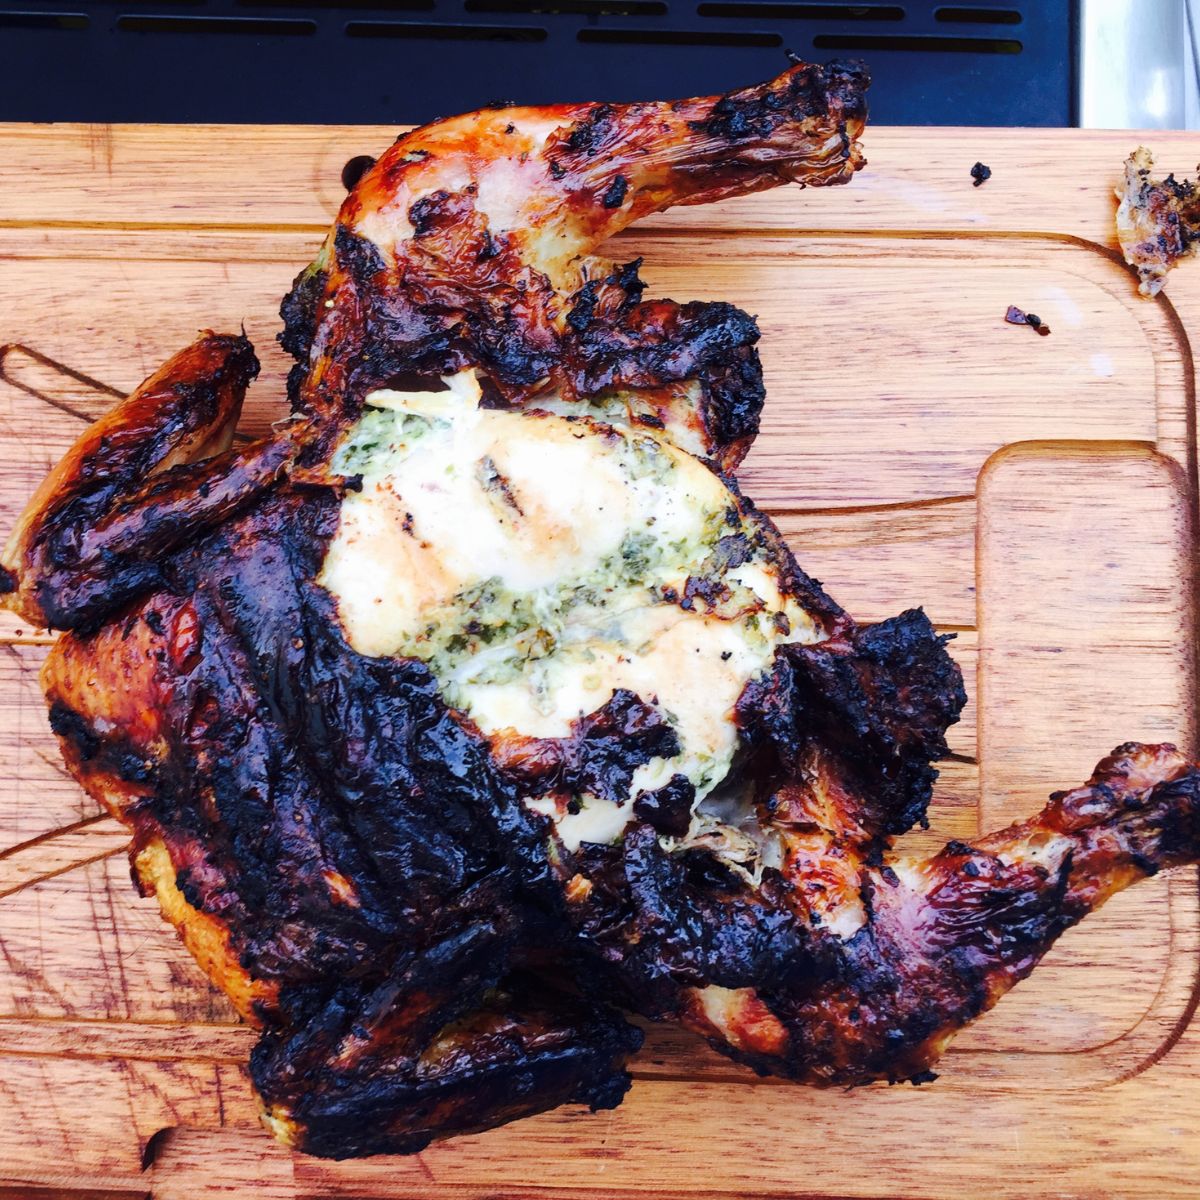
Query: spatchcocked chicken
476,705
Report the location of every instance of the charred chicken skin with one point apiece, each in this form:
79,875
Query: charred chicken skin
476,705
1158,221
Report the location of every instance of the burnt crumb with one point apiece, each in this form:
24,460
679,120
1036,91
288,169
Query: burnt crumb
510,128
921,1077
615,196
557,170
1015,316
153,618
355,169
981,174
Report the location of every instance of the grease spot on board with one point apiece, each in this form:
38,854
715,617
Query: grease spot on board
915,196
1102,366
1069,313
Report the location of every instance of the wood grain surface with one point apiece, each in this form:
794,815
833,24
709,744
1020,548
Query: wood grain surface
1037,495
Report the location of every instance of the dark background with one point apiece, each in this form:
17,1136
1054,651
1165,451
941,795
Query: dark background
400,61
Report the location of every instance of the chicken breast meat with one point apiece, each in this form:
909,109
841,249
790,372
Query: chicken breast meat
476,706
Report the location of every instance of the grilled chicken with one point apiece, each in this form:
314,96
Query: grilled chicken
476,705
1158,221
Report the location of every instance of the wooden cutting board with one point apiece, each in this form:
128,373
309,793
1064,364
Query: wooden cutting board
1037,494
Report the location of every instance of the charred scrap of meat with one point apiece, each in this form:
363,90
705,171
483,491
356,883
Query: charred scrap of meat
1018,316
1158,221
476,707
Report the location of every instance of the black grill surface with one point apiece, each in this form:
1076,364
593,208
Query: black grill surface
392,61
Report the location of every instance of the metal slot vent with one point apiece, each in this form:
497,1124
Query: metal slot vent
43,20
794,12
979,16
334,6
921,44
358,61
431,31
677,37
589,8
238,26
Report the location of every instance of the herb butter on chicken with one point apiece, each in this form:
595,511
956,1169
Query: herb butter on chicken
476,706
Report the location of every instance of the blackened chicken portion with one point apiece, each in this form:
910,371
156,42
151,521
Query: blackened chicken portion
395,888
390,1068
370,875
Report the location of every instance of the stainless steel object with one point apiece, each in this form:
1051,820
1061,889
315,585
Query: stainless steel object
1137,64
